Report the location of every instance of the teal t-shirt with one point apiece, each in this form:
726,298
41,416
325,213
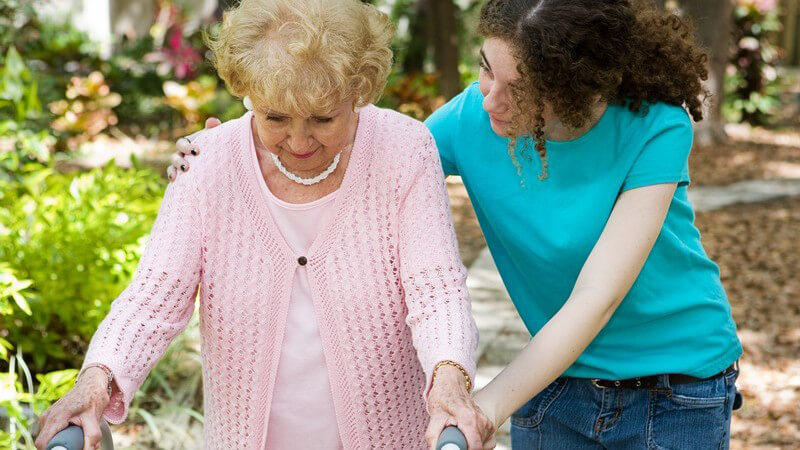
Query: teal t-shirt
676,317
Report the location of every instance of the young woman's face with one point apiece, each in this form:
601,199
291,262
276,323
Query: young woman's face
306,144
498,70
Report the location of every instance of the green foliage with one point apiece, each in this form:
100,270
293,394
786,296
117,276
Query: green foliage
78,238
18,91
60,44
20,402
20,110
142,106
57,50
751,83
17,17
19,144
12,296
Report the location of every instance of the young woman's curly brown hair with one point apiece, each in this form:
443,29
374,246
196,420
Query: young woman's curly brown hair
573,52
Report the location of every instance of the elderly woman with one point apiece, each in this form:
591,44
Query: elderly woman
333,306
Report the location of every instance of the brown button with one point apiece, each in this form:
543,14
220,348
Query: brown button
302,260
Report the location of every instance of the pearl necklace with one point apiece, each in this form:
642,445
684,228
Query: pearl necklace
306,181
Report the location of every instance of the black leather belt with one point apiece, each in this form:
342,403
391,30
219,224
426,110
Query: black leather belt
651,381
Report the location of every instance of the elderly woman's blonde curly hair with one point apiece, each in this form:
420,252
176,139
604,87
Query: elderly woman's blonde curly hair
303,57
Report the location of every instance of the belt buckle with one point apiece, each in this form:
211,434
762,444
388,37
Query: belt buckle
595,383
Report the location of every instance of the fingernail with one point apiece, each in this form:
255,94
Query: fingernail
194,152
183,167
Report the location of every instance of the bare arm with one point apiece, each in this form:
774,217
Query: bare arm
605,279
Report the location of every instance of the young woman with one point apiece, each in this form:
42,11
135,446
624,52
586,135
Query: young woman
574,149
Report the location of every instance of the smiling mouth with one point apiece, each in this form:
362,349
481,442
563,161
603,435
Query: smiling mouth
304,155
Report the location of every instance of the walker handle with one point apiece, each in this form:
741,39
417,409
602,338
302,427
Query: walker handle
71,438
451,439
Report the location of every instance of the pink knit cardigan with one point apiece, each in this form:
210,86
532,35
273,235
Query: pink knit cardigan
387,283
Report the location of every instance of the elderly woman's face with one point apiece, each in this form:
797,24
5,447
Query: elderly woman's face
306,143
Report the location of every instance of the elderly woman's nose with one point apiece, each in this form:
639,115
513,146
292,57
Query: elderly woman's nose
299,142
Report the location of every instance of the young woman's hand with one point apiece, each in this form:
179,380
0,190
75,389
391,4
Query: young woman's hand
83,405
185,147
449,403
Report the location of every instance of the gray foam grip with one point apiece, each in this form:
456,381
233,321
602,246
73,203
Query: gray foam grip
70,438
451,439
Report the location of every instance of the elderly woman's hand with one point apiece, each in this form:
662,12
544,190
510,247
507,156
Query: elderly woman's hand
83,405
184,146
450,404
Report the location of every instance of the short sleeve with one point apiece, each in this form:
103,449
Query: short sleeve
664,155
444,124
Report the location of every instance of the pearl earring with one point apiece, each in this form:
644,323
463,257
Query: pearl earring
248,104
357,109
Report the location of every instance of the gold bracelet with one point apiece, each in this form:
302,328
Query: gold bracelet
457,366
104,368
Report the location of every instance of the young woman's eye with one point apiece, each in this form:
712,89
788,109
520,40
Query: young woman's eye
323,119
272,118
485,68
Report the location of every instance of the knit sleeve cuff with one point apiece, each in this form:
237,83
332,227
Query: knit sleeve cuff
122,390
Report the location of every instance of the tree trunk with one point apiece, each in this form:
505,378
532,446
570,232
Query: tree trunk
444,24
713,25
414,59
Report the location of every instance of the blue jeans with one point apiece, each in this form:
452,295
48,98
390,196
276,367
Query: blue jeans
571,413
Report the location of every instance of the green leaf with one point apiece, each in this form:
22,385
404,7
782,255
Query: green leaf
5,346
32,100
15,66
20,301
151,422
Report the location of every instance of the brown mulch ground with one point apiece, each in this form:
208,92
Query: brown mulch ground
470,236
751,154
758,251
740,161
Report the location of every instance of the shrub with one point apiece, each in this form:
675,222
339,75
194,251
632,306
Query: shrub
77,238
751,83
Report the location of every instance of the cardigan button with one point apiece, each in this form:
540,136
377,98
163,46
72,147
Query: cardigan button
302,260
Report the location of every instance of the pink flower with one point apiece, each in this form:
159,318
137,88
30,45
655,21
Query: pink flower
766,5
759,5
185,60
175,41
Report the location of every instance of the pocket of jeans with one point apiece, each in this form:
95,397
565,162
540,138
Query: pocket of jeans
531,413
692,415
703,394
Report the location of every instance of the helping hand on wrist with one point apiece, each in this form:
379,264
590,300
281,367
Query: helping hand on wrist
488,408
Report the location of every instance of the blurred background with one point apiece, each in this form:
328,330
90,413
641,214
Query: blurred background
93,94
